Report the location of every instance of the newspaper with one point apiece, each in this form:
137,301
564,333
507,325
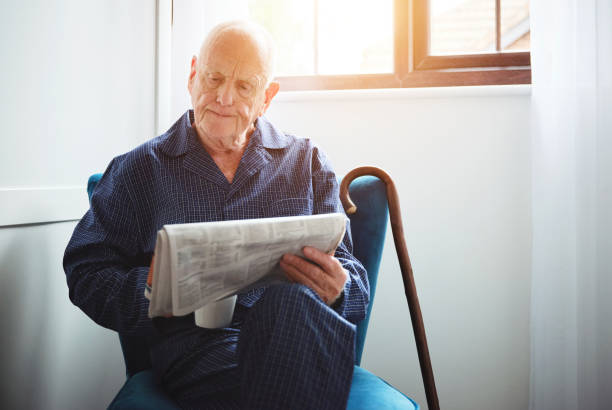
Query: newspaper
199,263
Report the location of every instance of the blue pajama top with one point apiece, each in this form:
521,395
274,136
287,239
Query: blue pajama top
172,179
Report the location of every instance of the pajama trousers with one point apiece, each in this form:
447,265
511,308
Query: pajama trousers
288,351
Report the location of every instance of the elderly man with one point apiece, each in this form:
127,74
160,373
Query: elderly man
289,346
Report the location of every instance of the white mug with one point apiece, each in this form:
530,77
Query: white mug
216,314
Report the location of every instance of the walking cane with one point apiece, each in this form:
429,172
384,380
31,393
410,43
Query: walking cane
406,269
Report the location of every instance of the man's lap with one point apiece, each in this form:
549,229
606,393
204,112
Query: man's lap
198,365
186,356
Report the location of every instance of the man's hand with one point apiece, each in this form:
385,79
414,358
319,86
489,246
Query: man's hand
326,276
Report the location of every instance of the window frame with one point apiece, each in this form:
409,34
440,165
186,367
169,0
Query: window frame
414,67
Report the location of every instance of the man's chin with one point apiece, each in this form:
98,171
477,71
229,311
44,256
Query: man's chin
220,133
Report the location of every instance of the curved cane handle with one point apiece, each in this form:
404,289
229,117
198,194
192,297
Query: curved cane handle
405,267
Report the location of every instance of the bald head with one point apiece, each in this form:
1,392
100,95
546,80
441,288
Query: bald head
231,85
246,39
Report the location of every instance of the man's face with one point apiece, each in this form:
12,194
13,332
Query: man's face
227,89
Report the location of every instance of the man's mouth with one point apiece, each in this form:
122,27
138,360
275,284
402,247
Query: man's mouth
222,115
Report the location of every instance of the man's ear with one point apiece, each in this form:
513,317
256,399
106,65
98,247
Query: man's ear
192,73
270,93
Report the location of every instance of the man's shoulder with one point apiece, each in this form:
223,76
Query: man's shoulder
274,138
138,159
144,158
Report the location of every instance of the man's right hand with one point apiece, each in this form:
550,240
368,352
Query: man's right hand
326,276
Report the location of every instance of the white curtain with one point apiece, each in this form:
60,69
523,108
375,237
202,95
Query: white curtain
571,319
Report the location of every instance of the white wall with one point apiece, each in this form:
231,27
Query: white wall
77,89
53,356
460,158
77,77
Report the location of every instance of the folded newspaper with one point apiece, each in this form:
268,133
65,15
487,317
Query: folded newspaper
199,263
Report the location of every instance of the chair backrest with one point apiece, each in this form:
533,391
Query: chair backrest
368,227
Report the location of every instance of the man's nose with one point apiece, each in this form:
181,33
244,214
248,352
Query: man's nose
225,94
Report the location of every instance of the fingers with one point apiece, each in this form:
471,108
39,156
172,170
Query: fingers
322,273
300,271
325,261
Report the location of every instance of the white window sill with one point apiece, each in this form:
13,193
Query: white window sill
406,93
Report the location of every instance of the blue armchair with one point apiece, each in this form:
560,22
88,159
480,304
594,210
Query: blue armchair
368,224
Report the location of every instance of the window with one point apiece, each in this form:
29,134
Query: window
347,44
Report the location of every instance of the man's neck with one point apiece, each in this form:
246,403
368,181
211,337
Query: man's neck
225,146
227,153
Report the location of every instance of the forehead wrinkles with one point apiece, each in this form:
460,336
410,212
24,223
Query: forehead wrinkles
236,52
237,69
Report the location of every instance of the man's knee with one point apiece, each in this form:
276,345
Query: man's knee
291,301
285,294
294,306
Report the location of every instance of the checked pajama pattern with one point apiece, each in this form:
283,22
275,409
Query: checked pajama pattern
285,348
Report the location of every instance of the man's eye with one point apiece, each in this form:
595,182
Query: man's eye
245,87
214,80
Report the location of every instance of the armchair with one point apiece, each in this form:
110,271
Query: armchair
368,188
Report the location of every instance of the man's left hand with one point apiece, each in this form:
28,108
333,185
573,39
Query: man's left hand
326,276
